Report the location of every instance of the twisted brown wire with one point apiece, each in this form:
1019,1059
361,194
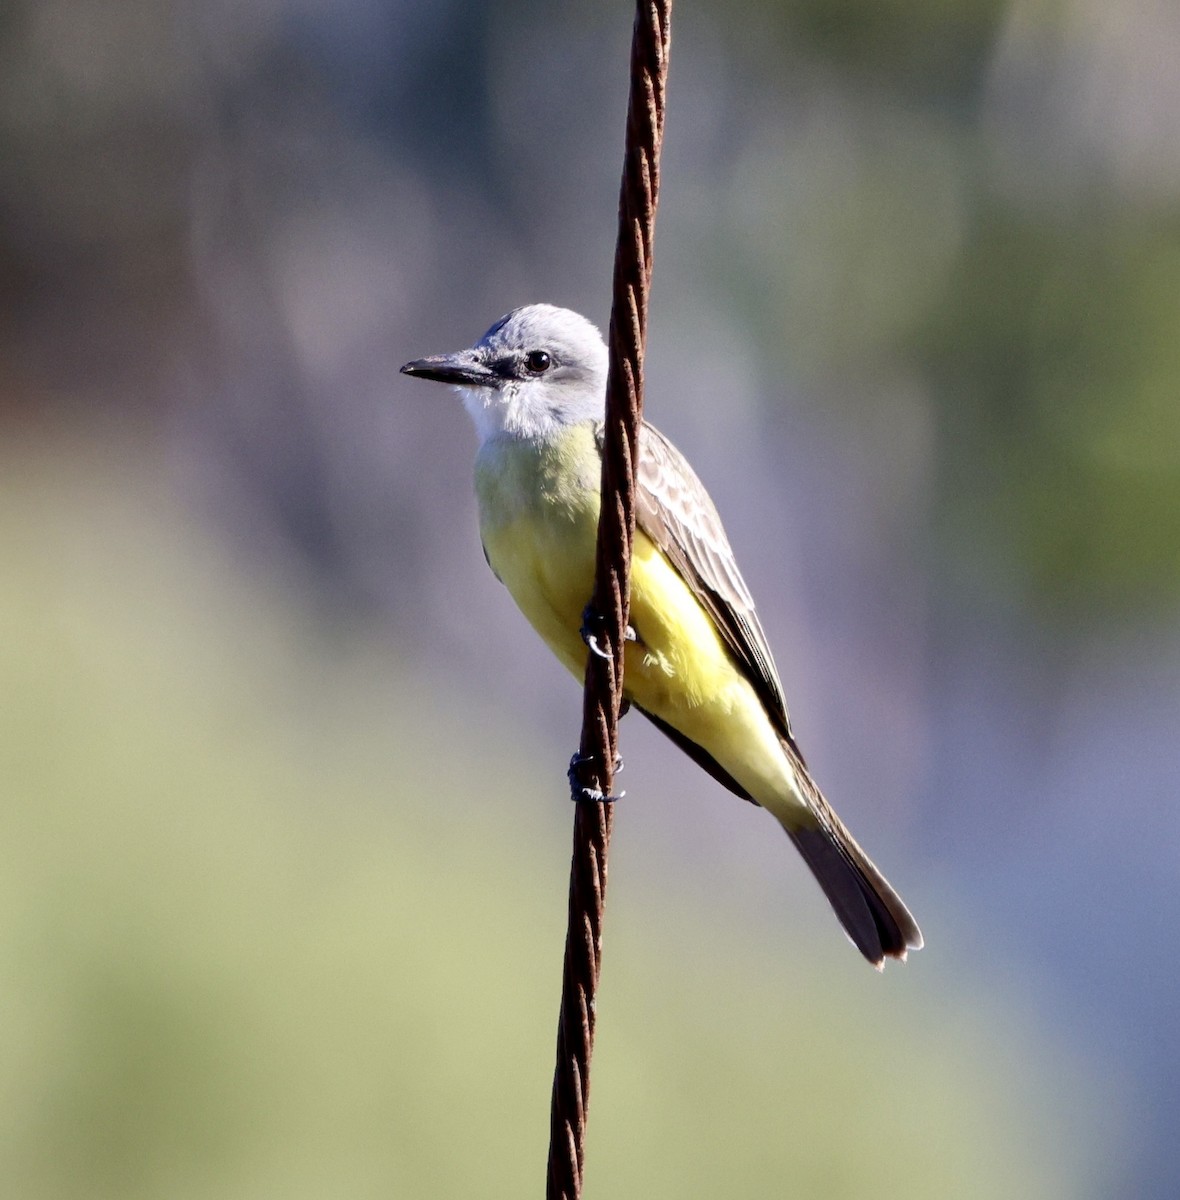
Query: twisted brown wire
638,196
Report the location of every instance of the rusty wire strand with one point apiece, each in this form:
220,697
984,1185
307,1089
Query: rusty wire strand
638,196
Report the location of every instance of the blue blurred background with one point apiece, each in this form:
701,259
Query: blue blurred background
284,829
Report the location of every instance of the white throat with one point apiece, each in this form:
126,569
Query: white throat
527,410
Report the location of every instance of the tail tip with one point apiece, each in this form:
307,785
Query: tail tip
873,915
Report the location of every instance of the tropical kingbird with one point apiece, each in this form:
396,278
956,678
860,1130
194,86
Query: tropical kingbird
698,664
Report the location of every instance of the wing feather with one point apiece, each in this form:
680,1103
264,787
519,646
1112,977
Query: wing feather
675,511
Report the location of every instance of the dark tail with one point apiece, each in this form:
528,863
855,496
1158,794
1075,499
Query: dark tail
872,913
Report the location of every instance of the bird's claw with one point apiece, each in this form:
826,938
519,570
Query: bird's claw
593,623
592,642
580,790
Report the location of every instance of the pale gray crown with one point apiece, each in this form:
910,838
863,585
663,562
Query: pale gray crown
576,351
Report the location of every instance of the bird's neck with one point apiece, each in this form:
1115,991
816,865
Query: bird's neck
557,473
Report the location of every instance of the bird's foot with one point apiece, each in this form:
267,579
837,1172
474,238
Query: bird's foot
578,773
594,625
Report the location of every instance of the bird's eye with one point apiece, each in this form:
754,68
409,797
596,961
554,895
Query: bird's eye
537,361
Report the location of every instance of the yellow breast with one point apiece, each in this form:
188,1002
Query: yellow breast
538,520
539,505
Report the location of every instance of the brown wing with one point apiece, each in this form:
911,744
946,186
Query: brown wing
675,511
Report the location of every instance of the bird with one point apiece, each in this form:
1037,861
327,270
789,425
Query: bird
696,663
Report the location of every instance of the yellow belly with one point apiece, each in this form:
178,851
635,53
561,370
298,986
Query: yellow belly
539,535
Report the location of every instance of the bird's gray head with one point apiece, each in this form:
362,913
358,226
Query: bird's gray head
537,370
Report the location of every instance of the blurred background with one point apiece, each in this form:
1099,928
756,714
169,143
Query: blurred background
284,820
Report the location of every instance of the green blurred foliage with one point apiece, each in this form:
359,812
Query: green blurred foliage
928,48
264,933
1055,357
958,208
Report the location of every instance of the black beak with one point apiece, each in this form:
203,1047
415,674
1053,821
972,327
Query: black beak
463,369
